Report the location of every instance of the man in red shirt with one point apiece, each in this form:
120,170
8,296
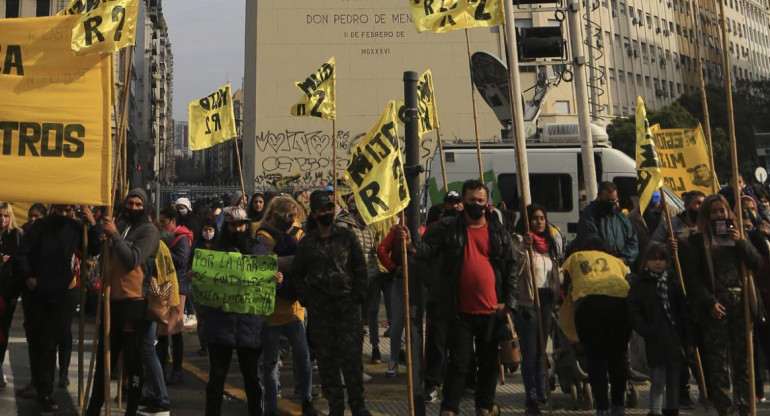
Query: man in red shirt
480,289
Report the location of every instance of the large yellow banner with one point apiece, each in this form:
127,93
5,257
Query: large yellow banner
320,91
108,27
648,176
443,16
426,106
376,171
684,160
54,115
211,119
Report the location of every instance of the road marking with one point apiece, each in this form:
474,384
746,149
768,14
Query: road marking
285,407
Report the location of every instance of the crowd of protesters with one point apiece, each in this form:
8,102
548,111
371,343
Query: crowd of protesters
484,274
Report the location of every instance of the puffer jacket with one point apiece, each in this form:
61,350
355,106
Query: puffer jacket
615,229
449,238
230,329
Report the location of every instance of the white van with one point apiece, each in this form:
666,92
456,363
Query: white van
555,175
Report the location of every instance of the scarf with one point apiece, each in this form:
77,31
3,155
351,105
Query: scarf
661,282
540,243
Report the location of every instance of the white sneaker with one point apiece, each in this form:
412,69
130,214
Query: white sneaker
190,322
392,369
367,377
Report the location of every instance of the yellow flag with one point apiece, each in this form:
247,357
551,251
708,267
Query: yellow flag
320,91
376,171
54,116
648,176
426,105
78,7
211,119
108,27
443,16
684,160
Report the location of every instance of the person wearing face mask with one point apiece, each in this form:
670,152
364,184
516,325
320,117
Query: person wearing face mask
279,234
36,212
453,204
187,217
45,264
206,241
10,238
134,244
711,262
602,218
228,331
480,287
330,278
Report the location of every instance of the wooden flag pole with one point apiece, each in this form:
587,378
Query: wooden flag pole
475,112
407,319
738,204
677,264
94,350
704,102
334,158
240,169
82,314
441,154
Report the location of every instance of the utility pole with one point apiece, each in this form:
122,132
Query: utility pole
581,100
514,89
591,77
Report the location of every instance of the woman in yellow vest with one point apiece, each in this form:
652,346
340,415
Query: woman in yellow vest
599,290
280,235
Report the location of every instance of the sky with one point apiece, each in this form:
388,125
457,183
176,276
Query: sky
207,39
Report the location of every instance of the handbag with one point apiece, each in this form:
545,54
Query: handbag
510,350
159,301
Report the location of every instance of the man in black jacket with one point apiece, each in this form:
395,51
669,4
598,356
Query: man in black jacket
481,288
46,264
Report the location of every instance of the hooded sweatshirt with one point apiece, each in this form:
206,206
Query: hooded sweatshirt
134,248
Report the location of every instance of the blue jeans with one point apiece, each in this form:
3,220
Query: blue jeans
532,360
295,332
156,385
397,317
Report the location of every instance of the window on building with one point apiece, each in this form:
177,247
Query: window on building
679,88
11,8
615,111
622,8
621,77
625,111
43,8
561,107
612,74
647,81
639,80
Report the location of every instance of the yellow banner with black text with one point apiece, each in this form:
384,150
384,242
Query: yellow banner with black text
684,160
443,16
648,176
211,119
103,27
320,91
54,115
376,170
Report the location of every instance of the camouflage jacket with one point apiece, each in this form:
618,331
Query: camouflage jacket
331,268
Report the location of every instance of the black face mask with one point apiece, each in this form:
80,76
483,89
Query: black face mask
607,207
325,219
693,214
134,215
59,220
282,224
475,211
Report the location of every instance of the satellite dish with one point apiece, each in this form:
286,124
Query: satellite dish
761,174
490,76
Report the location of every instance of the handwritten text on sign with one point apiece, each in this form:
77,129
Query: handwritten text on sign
233,282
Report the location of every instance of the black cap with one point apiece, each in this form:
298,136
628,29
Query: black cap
320,199
452,196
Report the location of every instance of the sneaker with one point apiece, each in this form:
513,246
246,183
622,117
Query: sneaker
190,322
154,410
431,395
367,377
376,356
64,381
3,378
308,409
532,408
617,411
174,378
48,406
27,392
392,370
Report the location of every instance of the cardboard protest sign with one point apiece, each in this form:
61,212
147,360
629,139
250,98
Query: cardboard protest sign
54,115
106,27
684,160
211,119
320,91
648,175
440,17
376,170
234,282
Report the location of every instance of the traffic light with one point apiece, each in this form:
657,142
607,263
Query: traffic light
540,42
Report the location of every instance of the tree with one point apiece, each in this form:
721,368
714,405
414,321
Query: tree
622,131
